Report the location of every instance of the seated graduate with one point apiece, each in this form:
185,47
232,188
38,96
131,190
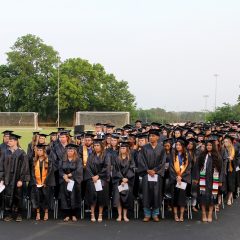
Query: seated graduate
123,175
42,181
151,168
180,175
70,179
97,178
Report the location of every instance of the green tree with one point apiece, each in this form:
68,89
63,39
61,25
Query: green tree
32,84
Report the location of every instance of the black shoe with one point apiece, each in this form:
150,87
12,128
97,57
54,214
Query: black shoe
8,218
19,218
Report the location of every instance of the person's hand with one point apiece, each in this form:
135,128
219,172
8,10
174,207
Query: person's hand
2,183
220,184
125,180
65,177
179,180
95,178
151,173
230,158
19,184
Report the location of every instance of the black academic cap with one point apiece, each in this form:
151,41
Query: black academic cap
43,135
115,136
98,140
190,132
227,136
98,124
72,146
154,132
53,133
35,133
194,140
142,135
108,135
7,132
138,121
178,129
41,146
132,135
127,127
89,135
168,140
210,140
182,140
64,133
14,136
124,144
60,129
156,124
110,126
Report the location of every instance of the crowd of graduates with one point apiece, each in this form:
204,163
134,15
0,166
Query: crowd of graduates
149,163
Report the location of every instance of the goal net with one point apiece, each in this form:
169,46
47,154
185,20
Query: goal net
19,120
88,119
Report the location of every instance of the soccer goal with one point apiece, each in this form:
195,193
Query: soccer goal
19,120
119,119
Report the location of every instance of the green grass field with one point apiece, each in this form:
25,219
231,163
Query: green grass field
27,134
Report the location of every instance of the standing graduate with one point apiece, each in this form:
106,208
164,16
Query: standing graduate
98,176
151,168
14,172
42,181
231,159
123,174
180,173
59,151
70,169
209,178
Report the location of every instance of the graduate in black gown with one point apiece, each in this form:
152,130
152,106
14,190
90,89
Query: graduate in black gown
59,151
180,172
151,168
70,169
209,178
42,181
231,159
98,172
123,174
14,172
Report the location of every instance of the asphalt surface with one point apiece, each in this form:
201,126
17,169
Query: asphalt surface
227,227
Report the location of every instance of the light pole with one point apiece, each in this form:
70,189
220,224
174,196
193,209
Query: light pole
58,86
216,77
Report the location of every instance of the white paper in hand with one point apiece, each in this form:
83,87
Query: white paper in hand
183,185
70,185
39,185
153,179
98,185
2,187
123,187
237,169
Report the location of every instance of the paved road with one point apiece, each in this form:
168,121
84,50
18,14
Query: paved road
226,228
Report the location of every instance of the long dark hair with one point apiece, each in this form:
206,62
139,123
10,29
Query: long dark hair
184,153
215,157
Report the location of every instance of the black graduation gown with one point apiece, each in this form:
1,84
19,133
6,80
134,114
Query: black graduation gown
3,147
179,196
100,166
14,167
41,197
70,200
59,152
123,169
207,198
167,158
230,177
150,158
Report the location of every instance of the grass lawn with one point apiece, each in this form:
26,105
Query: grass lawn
27,134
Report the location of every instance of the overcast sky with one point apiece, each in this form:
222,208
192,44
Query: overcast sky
168,50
